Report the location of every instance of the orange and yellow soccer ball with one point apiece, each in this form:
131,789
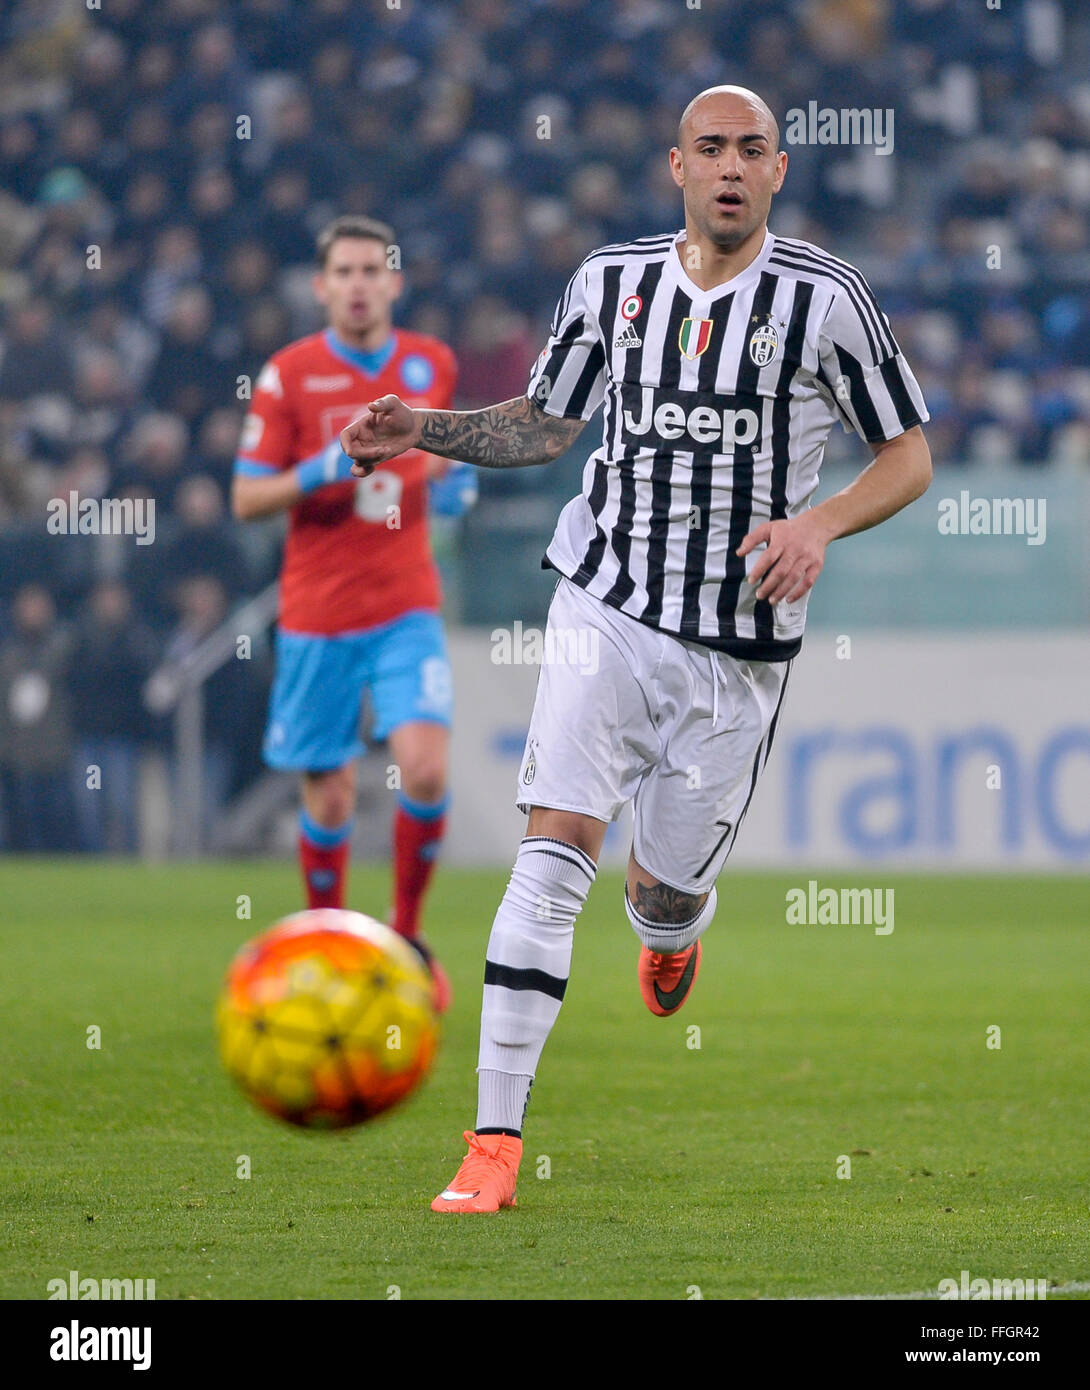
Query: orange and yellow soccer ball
327,1019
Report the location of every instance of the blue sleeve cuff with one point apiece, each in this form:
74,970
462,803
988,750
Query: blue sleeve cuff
250,468
332,465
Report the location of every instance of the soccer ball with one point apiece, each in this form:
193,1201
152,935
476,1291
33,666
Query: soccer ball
327,1019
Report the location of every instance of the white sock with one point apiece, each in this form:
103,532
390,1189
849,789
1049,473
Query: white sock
666,938
526,973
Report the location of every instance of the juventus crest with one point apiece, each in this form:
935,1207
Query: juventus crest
764,344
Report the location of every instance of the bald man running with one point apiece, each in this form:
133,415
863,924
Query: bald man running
723,356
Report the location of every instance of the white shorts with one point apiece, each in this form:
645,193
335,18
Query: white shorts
625,713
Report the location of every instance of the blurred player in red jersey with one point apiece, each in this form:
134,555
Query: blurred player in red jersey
359,594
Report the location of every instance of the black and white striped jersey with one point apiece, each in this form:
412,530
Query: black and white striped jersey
718,404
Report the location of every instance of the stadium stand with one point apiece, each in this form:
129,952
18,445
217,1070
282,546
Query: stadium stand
165,165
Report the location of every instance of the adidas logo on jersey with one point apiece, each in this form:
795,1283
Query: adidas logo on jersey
629,338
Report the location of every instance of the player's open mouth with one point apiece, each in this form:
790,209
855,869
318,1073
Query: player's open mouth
729,200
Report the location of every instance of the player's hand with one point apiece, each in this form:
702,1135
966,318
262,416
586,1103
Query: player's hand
385,429
793,557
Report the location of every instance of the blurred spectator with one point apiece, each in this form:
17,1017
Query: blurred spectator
35,725
113,656
495,352
202,540
153,454
175,264
37,359
188,377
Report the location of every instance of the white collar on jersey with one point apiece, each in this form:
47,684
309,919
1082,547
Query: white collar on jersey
693,290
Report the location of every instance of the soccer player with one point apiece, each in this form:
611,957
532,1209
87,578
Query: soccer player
359,592
723,355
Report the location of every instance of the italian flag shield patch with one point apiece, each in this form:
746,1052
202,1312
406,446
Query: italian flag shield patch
694,336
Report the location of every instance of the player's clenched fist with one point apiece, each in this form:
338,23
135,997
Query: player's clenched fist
386,428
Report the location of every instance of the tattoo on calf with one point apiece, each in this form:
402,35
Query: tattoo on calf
661,903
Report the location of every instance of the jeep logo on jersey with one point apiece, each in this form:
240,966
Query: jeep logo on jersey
763,345
693,336
704,424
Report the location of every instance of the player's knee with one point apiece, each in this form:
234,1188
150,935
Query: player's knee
424,780
330,797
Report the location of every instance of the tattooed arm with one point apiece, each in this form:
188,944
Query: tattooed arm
510,435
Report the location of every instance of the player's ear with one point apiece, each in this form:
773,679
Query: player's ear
317,284
781,170
677,167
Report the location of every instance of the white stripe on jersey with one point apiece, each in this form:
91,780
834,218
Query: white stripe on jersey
698,448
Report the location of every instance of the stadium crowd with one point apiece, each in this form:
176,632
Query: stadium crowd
165,165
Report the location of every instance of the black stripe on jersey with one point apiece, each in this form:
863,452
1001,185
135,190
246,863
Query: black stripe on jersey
907,413
651,245
580,394
563,343
662,466
565,300
596,356
853,277
599,493
596,498
700,495
764,619
741,493
858,395
624,585
511,977
797,263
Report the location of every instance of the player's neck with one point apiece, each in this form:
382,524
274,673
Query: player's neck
364,340
709,265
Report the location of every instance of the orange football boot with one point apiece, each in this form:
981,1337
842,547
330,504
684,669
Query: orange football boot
665,981
486,1180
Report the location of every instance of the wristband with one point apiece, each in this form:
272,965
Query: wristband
332,465
455,492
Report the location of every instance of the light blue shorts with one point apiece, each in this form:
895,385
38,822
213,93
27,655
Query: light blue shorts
314,709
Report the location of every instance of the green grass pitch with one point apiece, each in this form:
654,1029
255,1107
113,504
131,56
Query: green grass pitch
671,1167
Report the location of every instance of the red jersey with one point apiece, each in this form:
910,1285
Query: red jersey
357,552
